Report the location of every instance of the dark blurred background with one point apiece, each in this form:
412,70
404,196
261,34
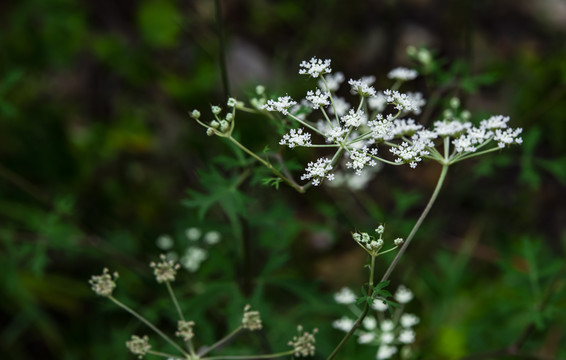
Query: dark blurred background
98,158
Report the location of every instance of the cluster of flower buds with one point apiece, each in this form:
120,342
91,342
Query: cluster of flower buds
372,245
219,126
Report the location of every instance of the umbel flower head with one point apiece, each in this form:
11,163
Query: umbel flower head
185,330
303,343
372,245
138,345
104,284
165,270
251,319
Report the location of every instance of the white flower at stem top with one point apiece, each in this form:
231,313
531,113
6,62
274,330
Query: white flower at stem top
403,295
362,88
296,137
104,284
385,352
315,67
318,98
354,118
402,74
318,170
165,270
282,105
303,343
138,345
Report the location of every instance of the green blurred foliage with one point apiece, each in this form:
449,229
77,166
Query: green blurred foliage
98,158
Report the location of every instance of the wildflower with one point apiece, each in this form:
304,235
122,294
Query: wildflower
251,319
366,337
344,324
402,127
193,257
409,320
193,233
362,88
215,109
508,137
402,74
398,241
495,122
318,98
345,296
401,101
185,330
377,102
354,118
451,128
303,344
335,134
340,105
282,105
104,284
361,158
379,305
370,323
387,337
403,295
165,270
385,352
164,242
296,137
315,67
318,170
195,114
387,325
234,103
138,345
212,237
407,336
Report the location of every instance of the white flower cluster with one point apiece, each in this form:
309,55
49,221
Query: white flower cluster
358,130
194,254
402,74
390,335
315,67
296,137
318,170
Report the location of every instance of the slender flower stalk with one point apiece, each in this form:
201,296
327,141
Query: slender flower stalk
149,324
220,342
244,357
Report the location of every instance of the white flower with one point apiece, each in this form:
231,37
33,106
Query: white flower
495,122
361,158
451,128
193,233
387,338
418,101
402,127
410,152
212,237
345,296
315,67
401,101
282,104
193,257
508,137
409,320
344,324
398,241
403,295
335,134
379,305
407,336
382,130
366,337
164,242
361,87
333,81
402,74
370,323
385,352
318,98
318,170
387,325
296,137
354,118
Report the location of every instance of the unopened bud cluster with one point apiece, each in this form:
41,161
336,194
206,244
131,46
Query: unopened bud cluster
303,343
104,284
185,330
371,244
165,270
251,319
219,126
139,345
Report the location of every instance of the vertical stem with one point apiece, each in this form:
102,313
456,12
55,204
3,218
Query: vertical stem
222,49
418,223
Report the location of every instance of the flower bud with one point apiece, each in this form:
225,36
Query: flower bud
195,114
454,103
216,109
209,131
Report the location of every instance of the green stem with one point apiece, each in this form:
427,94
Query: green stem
244,357
174,298
222,49
417,225
291,183
220,342
150,325
158,353
360,318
